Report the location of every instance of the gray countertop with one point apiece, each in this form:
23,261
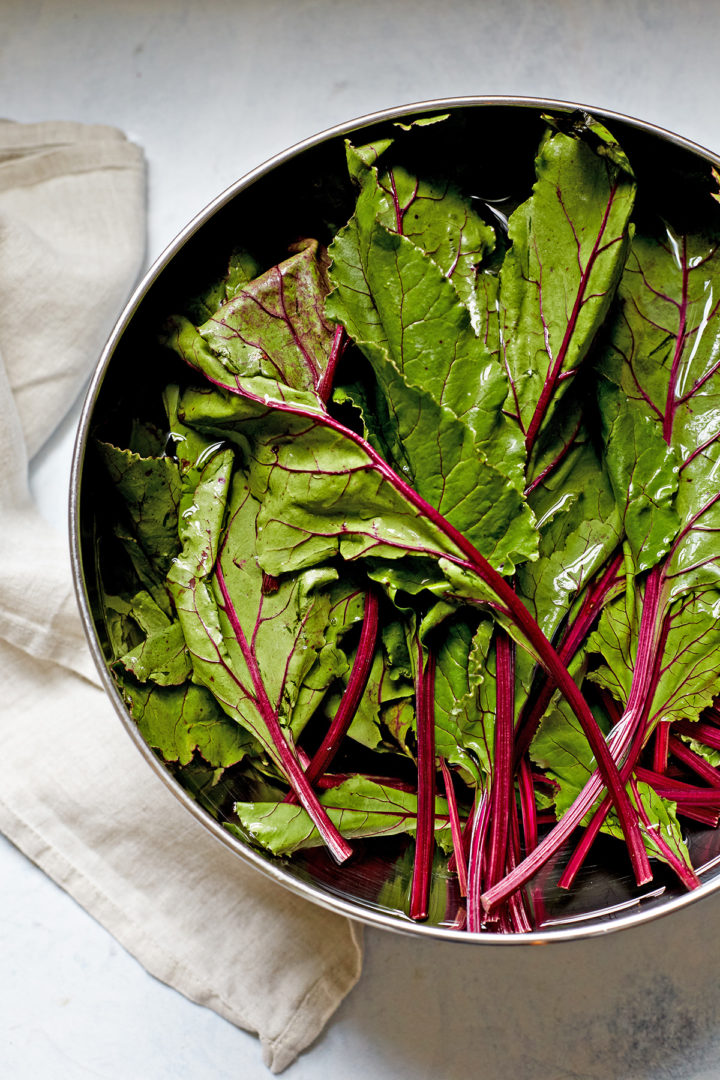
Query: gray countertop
209,90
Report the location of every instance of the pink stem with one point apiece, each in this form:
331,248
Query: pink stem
455,828
597,595
678,790
502,773
704,733
481,817
516,904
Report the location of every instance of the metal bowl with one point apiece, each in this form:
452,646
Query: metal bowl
497,138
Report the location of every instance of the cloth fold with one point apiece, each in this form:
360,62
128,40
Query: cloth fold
77,797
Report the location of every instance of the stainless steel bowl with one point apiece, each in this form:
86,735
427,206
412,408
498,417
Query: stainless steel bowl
275,203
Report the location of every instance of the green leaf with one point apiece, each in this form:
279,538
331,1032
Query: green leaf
465,698
359,807
161,657
146,439
178,721
193,449
644,474
432,213
150,488
662,355
561,749
688,664
284,630
579,529
414,318
345,610
387,703
121,628
324,492
438,455
569,244
397,303
242,268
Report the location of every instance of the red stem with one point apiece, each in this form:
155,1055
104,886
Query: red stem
425,835
694,761
678,790
516,904
660,746
698,813
651,637
704,733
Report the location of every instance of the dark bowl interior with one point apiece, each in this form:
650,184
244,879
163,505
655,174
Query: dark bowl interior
488,147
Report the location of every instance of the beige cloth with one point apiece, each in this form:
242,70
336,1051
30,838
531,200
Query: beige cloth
76,796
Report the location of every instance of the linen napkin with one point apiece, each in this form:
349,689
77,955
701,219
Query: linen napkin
77,797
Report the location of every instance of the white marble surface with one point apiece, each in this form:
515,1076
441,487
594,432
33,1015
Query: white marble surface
210,89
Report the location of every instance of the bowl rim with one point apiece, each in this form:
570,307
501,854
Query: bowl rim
570,930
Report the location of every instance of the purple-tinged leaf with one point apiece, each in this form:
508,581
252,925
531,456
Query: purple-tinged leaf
274,327
455,828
